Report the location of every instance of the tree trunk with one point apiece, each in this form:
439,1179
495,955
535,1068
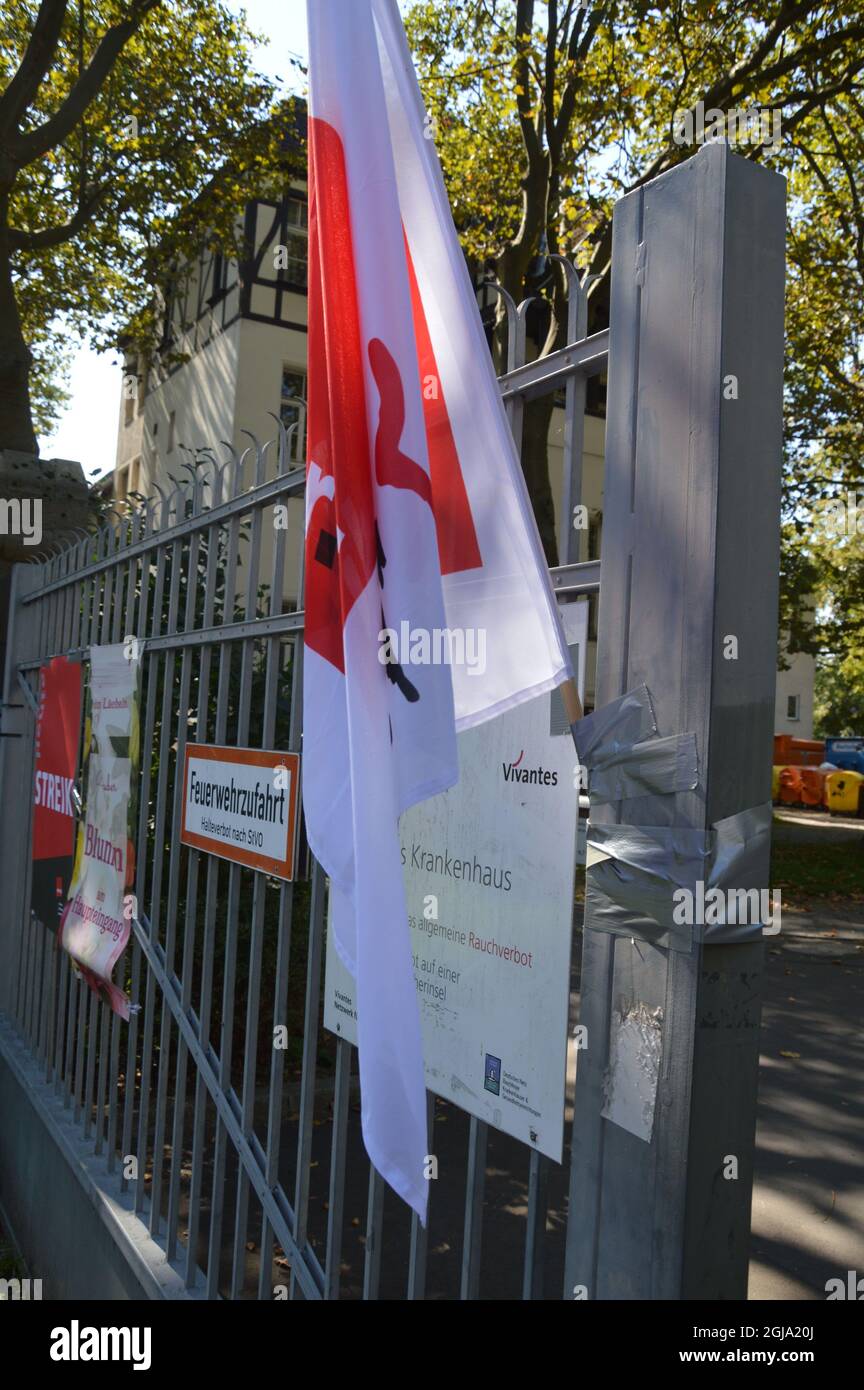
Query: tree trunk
535,466
16,421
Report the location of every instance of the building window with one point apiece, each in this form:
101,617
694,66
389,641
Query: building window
293,395
170,299
295,239
171,424
793,706
220,278
292,410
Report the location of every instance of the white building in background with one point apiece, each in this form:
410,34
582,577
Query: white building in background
241,336
242,340
793,709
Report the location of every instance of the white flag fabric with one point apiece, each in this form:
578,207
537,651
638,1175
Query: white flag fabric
428,606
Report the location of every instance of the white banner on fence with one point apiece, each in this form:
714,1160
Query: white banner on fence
489,869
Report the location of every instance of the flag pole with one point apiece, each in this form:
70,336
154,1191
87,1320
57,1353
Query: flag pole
572,704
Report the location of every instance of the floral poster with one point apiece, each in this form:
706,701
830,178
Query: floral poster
96,921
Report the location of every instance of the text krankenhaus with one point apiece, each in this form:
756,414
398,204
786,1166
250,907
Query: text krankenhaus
469,870
261,804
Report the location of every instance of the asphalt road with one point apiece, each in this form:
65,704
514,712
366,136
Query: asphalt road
808,1201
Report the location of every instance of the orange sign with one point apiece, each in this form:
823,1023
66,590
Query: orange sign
241,804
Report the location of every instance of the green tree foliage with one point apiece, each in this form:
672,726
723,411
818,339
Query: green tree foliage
579,103
114,117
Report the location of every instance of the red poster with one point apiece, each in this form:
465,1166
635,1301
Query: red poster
58,733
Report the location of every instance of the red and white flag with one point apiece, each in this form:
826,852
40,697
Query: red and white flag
428,605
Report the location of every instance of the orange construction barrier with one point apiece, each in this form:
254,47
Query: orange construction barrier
813,787
790,786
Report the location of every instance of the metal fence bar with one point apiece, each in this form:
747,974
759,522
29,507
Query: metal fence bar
146,1039
131,1064
535,1235
134,580
233,477
310,1057
277,1071
284,624
256,945
27,955
192,879
283,957
338,1159
229,977
60,981
85,1024
420,1234
374,1234
71,1031
46,940
182,703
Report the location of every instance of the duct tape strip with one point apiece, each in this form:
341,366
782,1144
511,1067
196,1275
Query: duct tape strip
615,728
654,765
635,874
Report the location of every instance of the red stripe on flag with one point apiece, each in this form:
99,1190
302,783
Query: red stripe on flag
391,465
457,539
340,531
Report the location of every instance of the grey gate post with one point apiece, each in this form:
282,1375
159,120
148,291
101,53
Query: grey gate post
690,557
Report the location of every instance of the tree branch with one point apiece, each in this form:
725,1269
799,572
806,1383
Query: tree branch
568,97
524,23
55,236
549,76
37,142
34,65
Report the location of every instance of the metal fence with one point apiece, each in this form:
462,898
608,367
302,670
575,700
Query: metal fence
244,1158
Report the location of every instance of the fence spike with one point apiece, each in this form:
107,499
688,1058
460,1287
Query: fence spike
159,489
237,463
283,442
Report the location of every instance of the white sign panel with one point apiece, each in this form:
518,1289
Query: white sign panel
241,804
489,881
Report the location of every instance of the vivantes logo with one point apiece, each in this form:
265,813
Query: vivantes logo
77,1343
534,776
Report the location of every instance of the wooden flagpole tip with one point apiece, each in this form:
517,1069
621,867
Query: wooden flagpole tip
572,704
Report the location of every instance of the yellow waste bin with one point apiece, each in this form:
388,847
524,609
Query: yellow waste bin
775,782
844,793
